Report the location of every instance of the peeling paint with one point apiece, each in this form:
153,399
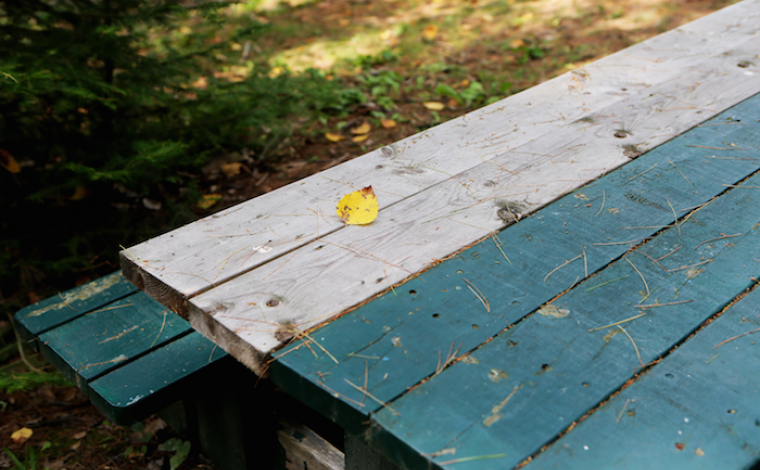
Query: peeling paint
83,293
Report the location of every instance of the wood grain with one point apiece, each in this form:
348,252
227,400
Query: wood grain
191,260
403,337
342,269
695,409
560,366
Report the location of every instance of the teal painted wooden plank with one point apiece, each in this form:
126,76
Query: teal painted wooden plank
520,390
698,408
396,339
49,313
151,382
104,338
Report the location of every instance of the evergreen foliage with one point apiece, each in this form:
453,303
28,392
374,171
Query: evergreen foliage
99,94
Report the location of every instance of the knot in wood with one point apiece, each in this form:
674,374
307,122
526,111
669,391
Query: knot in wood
507,215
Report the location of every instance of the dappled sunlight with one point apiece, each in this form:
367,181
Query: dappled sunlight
334,35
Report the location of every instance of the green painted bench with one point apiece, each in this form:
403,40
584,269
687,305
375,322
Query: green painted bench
119,346
132,357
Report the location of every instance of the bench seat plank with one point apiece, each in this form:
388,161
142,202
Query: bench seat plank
39,317
153,381
695,409
550,371
101,340
92,332
186,262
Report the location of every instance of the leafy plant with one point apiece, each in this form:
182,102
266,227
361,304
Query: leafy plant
24,381
381,85
30,460
180,448
104,104
473,94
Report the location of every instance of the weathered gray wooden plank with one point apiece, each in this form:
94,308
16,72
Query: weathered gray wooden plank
344,268
185,262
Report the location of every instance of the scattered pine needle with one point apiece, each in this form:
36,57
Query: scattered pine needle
362,356
471,459
389,282
623,410
499,244
714,148
689,266
585,262
675,217
617,323
604,197
663,257
224,262
278,267
478,294
717,238
634,177
66,302
640,275
337,395
385,405
605,283
159,331
654,261
679,170
562,265
634,345
665,304
736,337
627,242
321,347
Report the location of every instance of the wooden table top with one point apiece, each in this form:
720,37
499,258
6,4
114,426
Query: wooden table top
455,338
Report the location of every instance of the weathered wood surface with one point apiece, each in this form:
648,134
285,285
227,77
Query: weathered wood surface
104,338
519,391
342,269
307,450
403,337
49,313
696,409
441,190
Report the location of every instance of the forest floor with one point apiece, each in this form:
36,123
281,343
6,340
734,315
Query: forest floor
400,53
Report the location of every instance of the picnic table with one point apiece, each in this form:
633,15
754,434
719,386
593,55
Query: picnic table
563,279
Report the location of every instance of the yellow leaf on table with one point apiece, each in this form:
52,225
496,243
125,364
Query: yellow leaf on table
208,200
22,435
387,123
334,137
434,105
359,207
8,162
430,32
360,138
363,129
